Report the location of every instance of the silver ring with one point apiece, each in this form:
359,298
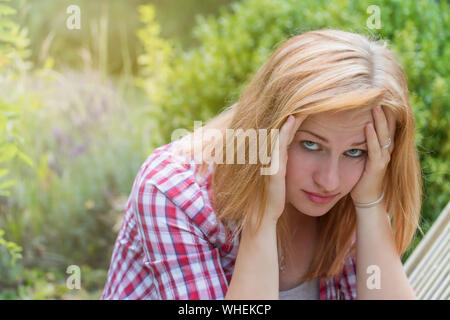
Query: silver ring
388,144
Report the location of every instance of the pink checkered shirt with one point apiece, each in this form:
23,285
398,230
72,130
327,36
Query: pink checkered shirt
171,244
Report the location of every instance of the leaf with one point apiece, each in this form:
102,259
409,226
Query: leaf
7,184
7,152
25,158
6,10
3,172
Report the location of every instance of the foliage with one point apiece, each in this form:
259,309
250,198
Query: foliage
106,40
82,154
12,50
10,269
87,145
13,39
157,53
203,80
40,284
13,44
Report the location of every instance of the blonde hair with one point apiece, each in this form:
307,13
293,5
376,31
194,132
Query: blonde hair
321,71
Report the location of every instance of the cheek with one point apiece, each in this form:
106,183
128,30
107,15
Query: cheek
352,172
299,166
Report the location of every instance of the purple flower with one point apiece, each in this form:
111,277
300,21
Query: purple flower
56,132
77,150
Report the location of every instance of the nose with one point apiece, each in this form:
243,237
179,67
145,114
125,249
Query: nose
326,176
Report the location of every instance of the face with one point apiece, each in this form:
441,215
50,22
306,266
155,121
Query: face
328,166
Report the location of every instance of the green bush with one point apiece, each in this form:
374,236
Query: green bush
57,216
198,83
87,145
13,44
106,39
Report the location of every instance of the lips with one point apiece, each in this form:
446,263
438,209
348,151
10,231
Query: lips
314,197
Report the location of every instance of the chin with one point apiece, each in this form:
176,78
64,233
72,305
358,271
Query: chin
313,210
318,212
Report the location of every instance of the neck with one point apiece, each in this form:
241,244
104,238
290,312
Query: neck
298,218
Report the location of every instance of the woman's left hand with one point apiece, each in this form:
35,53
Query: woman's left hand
369,186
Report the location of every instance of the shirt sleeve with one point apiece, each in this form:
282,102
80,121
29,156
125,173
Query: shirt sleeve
183,263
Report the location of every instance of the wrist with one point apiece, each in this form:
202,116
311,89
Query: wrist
268,224
371,213
366,203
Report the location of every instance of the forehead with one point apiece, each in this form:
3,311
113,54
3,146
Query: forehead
351,122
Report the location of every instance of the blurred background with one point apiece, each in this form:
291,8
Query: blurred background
81,109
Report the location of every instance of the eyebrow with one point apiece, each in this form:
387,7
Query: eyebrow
323,139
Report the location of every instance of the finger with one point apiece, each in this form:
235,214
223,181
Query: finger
286,134
391,123
381,125
285,130
372,142
283,138
298,122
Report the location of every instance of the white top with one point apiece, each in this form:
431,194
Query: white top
308,290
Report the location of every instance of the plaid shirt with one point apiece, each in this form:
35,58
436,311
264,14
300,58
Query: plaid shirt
171,244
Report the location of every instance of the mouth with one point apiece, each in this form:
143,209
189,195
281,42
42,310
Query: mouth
314,197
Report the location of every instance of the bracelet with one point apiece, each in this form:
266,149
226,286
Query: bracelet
368,205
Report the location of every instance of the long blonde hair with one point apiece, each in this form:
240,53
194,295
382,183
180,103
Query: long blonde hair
320,71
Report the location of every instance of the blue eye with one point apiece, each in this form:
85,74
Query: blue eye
304,142
359,152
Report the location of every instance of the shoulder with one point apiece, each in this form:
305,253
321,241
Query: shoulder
167,174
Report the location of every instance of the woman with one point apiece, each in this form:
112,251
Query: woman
211,230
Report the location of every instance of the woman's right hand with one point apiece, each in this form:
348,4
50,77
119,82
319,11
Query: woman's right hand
277,185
